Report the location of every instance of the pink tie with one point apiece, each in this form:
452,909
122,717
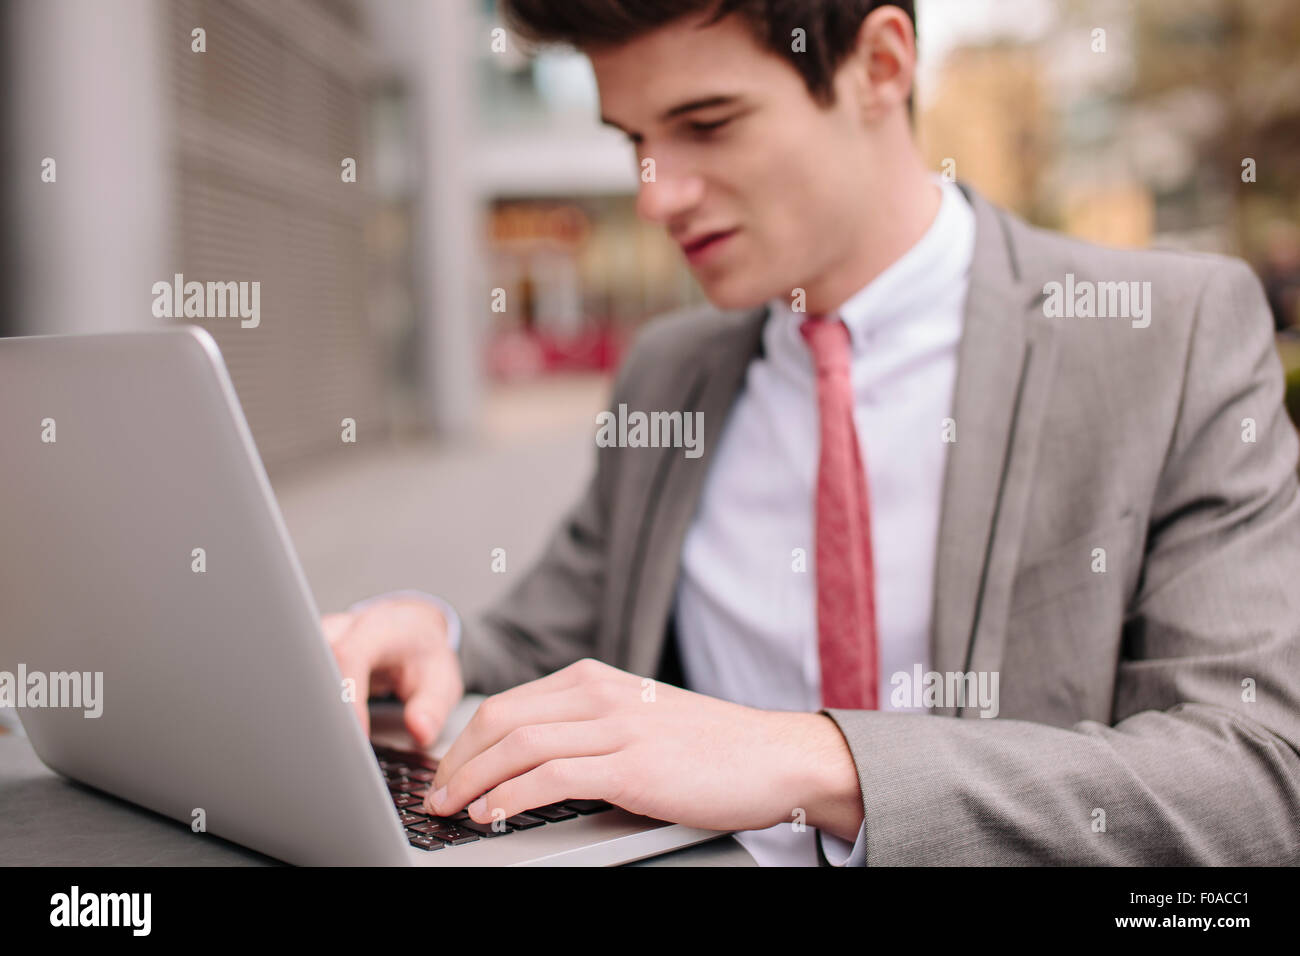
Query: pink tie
846,601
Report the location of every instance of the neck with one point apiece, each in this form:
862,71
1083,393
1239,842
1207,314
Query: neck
899,214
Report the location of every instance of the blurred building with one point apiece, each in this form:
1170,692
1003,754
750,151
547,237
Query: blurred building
989,119
1128,121
490,233
261,125
489,228
205,139
579,270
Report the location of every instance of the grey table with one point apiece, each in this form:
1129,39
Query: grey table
47,820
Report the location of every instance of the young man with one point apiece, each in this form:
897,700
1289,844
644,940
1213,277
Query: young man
1081,517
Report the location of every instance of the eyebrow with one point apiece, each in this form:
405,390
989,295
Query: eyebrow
720,99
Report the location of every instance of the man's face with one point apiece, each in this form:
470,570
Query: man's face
740,148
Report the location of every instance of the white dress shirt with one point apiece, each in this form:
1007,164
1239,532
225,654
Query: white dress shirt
746,618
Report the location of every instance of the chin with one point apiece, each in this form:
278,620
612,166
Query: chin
726,294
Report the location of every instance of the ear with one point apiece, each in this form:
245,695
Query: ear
884,62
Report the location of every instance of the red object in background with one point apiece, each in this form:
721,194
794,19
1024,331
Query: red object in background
520,354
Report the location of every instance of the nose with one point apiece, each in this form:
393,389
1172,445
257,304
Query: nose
668,196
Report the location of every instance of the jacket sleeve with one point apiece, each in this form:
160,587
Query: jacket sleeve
549,618
1199,764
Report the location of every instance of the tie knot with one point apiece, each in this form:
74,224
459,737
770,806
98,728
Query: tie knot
828,340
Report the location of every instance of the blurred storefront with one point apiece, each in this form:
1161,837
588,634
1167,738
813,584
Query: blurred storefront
577,269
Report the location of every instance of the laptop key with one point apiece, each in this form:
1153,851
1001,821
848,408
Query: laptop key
484,829
405,758
432,824
452,820
424,842
453,835
447,821
525,821
404,800
553,813
587,806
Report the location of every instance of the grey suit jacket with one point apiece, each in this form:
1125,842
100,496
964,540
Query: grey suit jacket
1163,692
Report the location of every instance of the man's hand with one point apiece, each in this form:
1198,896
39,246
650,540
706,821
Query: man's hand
593,731
399,646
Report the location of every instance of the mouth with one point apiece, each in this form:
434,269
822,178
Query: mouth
703,247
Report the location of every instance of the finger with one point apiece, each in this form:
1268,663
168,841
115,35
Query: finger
362,653
373,649
517,753
571,778
431,688
521,751
499,715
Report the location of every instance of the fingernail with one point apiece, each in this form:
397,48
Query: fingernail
435,801
477,807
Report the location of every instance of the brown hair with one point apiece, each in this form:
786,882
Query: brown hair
831,26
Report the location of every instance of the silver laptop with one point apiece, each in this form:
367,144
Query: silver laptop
146,572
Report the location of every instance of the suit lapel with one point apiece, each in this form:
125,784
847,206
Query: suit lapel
1005,361
674,494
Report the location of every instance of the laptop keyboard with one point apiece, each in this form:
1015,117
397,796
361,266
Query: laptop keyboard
409,776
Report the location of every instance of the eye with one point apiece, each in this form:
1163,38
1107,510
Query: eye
708,127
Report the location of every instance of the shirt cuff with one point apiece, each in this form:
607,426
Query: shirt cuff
838,852
448,612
